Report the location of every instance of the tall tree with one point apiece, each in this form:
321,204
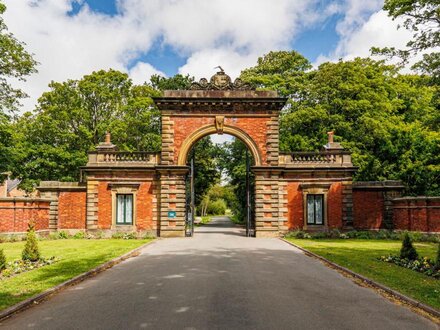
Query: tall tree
72,118
422,17
232,160
206,172
15,63
177,82
388,120
283,71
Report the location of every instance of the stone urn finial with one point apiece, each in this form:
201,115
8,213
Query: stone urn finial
107,145
108,138
331,144
330,136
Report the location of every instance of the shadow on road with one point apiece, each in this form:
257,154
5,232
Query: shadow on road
220,225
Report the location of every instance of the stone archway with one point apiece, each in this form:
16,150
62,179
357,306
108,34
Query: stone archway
220,106
192,139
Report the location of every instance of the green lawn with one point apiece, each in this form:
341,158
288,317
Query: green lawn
361,257
76,256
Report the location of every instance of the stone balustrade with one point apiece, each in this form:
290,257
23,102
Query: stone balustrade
111,158
333,158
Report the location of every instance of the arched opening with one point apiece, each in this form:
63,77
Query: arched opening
189,142
220,186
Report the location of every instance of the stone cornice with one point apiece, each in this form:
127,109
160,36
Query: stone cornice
220,104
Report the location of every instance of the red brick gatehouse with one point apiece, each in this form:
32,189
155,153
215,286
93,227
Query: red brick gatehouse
146,193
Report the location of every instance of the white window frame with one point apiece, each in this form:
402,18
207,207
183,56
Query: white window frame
313,188
124,188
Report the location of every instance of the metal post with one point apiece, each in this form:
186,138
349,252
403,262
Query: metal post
248,198
192,204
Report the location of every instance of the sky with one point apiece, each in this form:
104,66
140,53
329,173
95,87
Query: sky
72,38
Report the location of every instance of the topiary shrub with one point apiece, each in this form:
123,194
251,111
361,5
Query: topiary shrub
2,260
408,251
31,251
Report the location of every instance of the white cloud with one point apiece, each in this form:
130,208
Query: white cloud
380,31
70,47
202,63
142,72
366,25
221,138
229,33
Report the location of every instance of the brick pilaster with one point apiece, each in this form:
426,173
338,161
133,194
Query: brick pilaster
53,208
267,202
347,204
92,205
167,152
272,141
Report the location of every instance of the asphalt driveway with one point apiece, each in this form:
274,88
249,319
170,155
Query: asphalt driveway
218,279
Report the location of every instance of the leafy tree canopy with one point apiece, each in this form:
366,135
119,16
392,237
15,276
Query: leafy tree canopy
177,82
389,121
15,63
422,17
283,71
206,172
72,118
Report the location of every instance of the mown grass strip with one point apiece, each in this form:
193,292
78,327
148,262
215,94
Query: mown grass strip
76,257
361,256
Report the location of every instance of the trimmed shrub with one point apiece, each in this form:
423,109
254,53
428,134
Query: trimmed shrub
2,260
63,235
31,251
124,235
297,234
79,235
408,251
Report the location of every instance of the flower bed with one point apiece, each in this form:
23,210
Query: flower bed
422,265
362,234
20,266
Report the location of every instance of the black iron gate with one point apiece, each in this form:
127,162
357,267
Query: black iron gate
250,217
190,201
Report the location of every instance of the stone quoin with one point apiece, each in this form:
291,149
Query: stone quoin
146,193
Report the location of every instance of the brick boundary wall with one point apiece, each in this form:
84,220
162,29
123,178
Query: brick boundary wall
372,204
417,213
17,212
68,202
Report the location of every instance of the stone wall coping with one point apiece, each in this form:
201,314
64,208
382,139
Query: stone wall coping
121,167
61,186
25,199
381,185
417,198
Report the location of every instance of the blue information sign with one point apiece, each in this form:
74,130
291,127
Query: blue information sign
171,214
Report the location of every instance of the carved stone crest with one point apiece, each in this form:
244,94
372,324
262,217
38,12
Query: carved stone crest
220,81
219,124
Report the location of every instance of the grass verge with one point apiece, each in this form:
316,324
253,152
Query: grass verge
361,256
76,257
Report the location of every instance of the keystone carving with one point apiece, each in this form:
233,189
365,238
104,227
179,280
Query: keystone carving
219,124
